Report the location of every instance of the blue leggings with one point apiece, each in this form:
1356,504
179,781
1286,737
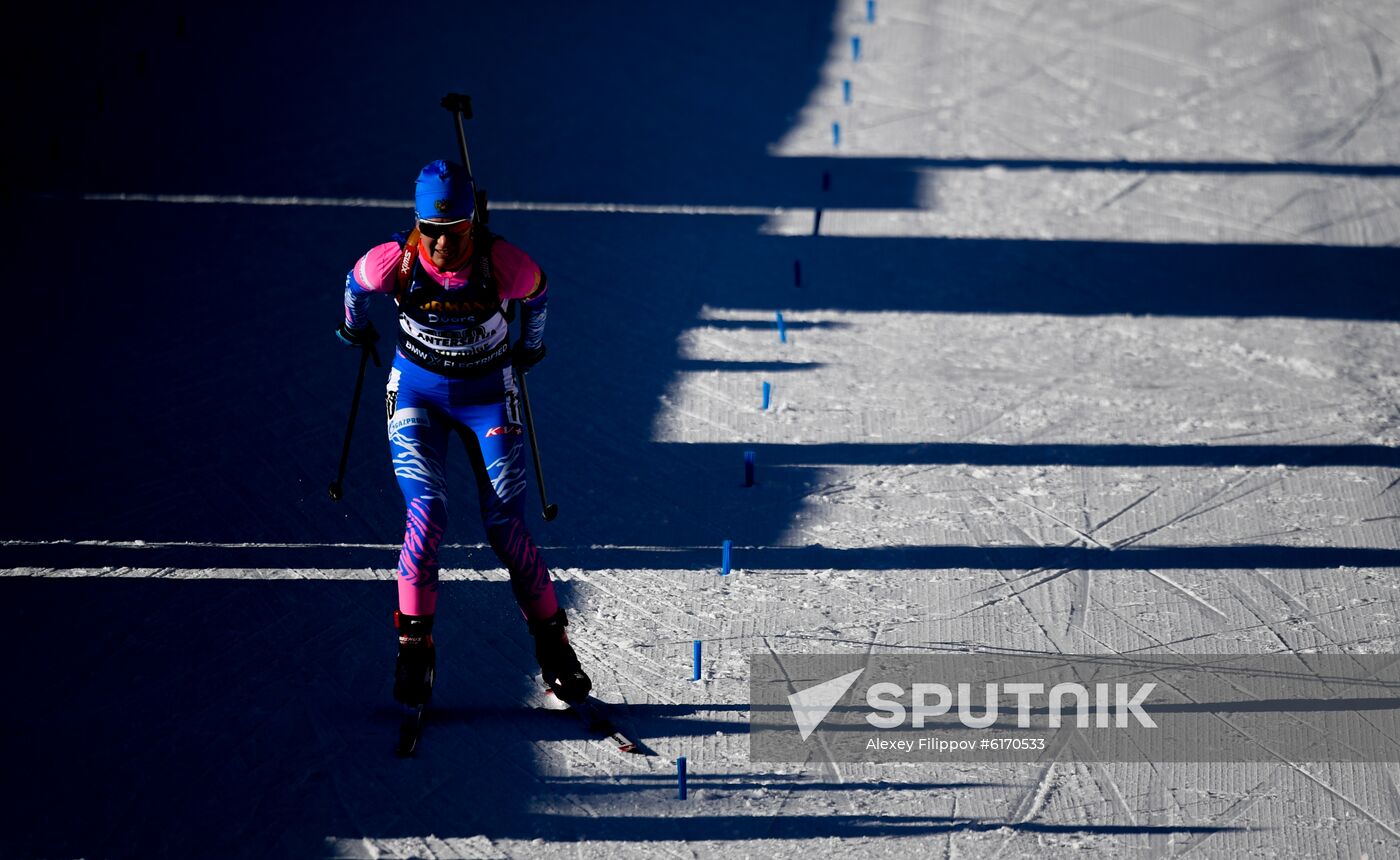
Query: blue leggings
424,409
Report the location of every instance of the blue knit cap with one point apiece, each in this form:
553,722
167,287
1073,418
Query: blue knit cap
443,190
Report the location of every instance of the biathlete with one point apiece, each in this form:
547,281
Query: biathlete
454,372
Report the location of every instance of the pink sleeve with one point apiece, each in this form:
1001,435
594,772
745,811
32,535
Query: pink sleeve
518,275
374,273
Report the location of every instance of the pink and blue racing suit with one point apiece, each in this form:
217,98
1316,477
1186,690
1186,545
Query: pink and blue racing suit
452,374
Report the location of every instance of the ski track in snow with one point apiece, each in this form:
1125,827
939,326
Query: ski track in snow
1058,341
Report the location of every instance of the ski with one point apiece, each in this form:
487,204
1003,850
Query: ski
593,716
410,730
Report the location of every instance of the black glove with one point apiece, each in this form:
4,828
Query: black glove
524,357
360,338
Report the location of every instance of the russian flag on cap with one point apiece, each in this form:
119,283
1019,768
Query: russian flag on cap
443,190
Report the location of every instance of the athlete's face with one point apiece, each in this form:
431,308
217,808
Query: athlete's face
447,240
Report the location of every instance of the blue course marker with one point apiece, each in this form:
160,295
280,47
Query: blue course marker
695,674
797,264
680,778
855,47
870,11
748,468
836,134
767,395
782,328
724,562
846,91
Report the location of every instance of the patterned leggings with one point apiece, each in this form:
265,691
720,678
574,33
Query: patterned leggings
424,409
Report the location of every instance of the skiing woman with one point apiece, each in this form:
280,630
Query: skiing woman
454,370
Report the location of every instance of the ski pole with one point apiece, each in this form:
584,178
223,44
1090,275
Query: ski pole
335,488
550,511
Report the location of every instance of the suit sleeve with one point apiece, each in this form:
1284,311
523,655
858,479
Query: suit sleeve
521,278
373,273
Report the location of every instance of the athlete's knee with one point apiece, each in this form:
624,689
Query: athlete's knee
502,514
513,545
510,537
426,521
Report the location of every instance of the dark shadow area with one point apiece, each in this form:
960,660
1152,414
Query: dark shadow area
744,558
202,718
633,101
1082,278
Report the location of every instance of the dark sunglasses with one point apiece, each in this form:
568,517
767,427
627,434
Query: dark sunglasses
434,229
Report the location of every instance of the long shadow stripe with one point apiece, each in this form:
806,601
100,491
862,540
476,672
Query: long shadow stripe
246,560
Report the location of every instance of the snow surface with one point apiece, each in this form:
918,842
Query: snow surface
1111,276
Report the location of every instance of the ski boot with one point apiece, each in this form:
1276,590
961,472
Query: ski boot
558,663
417,661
